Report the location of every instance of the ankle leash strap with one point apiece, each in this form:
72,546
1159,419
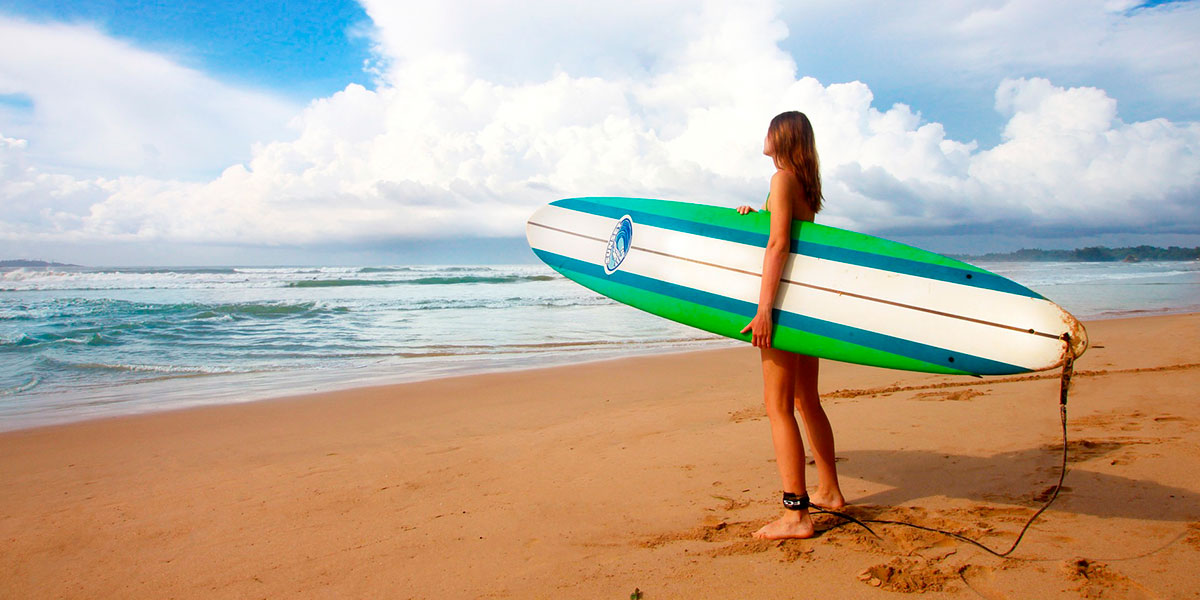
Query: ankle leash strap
795,502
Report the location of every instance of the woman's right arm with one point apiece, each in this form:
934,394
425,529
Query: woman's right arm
775,255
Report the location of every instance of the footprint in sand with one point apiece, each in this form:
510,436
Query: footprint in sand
949,396
909,575
982,581
1094,579
1176,422
730,504
747,414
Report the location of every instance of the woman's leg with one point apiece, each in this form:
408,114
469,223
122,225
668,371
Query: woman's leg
820,433
779,383
779,379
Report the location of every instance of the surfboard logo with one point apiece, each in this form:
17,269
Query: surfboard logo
618,245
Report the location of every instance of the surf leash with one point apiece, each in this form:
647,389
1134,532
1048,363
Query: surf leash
1064,384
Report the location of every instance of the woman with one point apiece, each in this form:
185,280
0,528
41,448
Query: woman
790,379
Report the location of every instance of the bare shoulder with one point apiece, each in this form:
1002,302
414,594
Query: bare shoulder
785,184
785,179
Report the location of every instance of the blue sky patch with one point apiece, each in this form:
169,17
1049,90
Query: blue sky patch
300,49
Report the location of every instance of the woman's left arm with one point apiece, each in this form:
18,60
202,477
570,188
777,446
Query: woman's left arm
779,245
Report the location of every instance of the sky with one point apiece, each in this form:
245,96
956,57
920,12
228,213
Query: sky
389,131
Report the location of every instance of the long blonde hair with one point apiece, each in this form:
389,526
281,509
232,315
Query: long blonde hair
796,150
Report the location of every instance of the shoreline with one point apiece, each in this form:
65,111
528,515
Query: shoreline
195,390
591,480
335,384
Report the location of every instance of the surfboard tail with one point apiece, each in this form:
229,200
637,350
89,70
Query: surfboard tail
1079,338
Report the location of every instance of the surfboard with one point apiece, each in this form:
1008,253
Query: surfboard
843,295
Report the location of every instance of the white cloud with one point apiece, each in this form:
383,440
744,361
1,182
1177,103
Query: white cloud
455,141
1149,52
1067,163
1159,45
1072,160
38,205
101,105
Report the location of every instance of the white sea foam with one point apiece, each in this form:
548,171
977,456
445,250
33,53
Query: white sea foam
150,278
23,387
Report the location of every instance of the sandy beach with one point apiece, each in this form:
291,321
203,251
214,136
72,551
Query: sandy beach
648,474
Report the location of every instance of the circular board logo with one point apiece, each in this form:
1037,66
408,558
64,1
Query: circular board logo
618,245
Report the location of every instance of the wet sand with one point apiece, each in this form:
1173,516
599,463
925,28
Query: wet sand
649,473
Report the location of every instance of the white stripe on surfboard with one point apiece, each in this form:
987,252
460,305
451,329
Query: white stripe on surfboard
1012,347
948,299
789,268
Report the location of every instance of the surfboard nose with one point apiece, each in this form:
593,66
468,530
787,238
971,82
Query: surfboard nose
531,225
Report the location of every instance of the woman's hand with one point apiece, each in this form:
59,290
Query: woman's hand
743,210
760,330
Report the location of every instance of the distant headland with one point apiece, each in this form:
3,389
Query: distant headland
21,262
1093,254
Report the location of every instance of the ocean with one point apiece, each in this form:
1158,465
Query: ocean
78,343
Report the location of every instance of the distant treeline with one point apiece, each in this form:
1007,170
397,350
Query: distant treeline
21,262
1095,254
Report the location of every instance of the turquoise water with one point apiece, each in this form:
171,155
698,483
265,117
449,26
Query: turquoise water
1105,290
85,342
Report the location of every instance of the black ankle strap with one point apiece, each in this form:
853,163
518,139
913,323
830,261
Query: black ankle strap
795,502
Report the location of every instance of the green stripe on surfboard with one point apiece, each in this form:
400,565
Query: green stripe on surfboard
759,223
730,325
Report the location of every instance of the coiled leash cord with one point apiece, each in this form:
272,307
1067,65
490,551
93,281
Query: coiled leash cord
1065,383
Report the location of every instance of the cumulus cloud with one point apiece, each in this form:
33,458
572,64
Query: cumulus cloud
1072,160
35,204
456,141
101,105
1066,165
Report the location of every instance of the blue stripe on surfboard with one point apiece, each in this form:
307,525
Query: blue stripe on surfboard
988,281
868,339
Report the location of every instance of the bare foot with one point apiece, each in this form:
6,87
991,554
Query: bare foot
831,500
793,524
